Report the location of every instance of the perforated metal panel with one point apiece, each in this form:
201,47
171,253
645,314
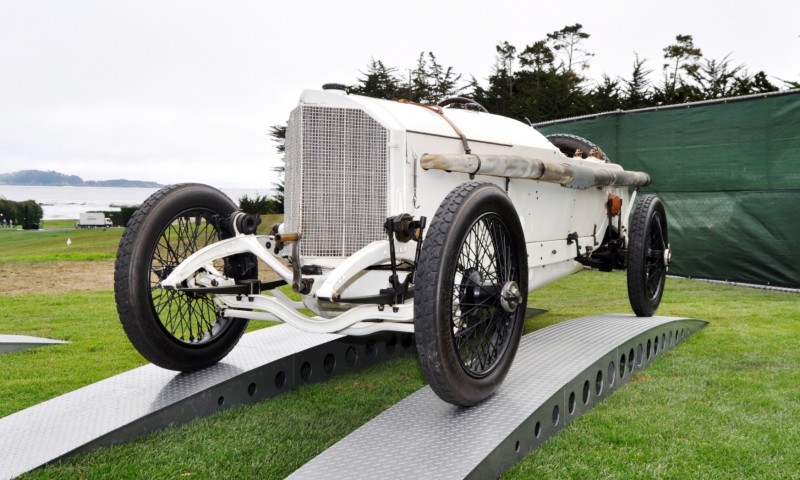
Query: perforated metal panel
294,170
132,404
559,373
336,179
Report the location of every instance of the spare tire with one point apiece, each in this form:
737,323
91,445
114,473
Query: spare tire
571,144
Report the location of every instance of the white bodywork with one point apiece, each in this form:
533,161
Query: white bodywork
548,212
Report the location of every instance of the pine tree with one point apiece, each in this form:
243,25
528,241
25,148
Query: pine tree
378,82
681,58
636,93
605,96
567,42
717,79
278,134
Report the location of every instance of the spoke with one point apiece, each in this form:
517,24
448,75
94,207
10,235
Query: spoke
474,307
659,232
487,350
189,319
471,328
173,254
654,281
484,263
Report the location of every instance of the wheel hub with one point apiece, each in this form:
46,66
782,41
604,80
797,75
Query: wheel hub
471,286
510,296
667,256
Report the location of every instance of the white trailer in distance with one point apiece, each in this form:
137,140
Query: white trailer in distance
93,220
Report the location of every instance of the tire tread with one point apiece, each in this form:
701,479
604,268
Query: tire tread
640,303
428,289
148,340
560,140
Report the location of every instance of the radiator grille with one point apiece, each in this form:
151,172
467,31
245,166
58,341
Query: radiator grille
336,179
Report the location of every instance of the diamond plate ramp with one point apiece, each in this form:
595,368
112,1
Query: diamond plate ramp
559,372
264,363
14,343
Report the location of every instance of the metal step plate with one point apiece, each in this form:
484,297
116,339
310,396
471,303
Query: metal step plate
14,343
559,372
264,363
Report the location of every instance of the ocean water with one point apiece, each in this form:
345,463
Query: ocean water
70,202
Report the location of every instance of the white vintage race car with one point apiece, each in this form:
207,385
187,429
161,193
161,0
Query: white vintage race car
402,217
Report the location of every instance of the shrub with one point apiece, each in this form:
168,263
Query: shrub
11,210
260,204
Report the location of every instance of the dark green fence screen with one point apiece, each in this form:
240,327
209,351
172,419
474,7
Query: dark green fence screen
729,175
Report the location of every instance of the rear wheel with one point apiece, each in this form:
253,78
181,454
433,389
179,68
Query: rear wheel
471,291
648,256
173,329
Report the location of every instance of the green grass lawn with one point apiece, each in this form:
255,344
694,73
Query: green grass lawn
43,246
724,404
17,245
59,223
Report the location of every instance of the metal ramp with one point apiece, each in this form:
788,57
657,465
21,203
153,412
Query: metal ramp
15,343
559,372
264,363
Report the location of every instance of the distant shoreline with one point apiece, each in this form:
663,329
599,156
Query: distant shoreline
50,178
157,185
92,183
68,203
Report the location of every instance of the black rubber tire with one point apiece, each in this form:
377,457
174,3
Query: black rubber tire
445,277
467,102
647,265
172,329
570,144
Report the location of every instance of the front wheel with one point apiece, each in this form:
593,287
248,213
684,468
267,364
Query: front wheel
471,290
173,329
648,256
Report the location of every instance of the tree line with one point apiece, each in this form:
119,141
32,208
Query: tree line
27,213
547,80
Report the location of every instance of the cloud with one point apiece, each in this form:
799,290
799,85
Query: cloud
186,90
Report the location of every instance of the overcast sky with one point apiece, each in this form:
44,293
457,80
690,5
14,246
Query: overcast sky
175,91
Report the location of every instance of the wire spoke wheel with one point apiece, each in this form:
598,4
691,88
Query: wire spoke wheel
648,256
655,268
471,288
190,318
174,329
479,323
